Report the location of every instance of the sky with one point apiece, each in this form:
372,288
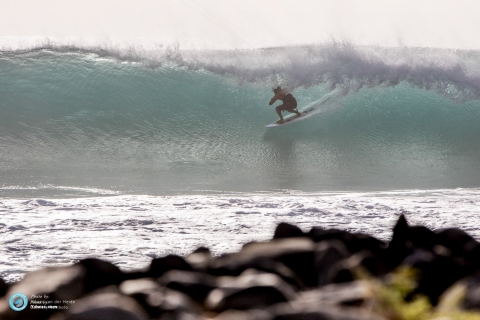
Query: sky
243,23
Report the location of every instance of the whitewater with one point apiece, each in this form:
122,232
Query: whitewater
132,153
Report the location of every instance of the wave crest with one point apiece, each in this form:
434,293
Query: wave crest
453,73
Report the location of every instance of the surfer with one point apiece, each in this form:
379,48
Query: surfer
289,103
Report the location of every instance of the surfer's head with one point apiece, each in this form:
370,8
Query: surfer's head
277,89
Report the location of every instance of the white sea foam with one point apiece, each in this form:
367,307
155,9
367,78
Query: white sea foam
130,230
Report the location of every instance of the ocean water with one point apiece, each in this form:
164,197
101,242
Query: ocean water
168,148
161,122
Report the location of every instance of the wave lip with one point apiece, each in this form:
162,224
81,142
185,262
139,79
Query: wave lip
455,73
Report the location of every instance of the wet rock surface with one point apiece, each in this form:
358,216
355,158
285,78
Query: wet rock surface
319,274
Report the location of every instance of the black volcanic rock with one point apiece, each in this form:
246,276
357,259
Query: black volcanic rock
245,298
156,299
421,237
194,284
361,264
436,273
267,265
406,239
354,242
456,240
323,274
3,287
104,306
99,273
333,313
471,288
333,302
159,266
61,283
472,254
328,254
286,230
199,259
250,290
297,254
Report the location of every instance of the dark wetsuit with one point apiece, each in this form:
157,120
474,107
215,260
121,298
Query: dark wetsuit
289,103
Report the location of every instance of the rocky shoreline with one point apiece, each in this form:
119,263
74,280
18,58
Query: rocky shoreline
320,274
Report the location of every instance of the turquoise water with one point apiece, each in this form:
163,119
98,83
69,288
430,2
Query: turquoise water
83,119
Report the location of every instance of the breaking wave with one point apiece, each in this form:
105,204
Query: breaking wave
156,120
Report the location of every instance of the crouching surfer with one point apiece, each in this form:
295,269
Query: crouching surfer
289,103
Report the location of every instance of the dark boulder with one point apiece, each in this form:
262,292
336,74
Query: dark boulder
297,254
354,242
156,299
405,240
252,314
251,290
358,266
331,302
3,287
436,273
470,286
161,265
58,283
194,284
104,306
286,230
455,239
199,259
472,254
328,253
99,273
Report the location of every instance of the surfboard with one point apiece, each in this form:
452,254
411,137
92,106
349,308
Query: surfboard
290,118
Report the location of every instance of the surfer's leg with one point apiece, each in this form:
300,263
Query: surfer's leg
294,107
291,108
294,111
279,110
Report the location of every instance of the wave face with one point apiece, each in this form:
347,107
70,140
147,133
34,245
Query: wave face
159,122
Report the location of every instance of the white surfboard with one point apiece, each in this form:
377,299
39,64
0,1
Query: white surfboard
290,118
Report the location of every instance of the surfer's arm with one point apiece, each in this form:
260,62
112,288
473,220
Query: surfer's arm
273,100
